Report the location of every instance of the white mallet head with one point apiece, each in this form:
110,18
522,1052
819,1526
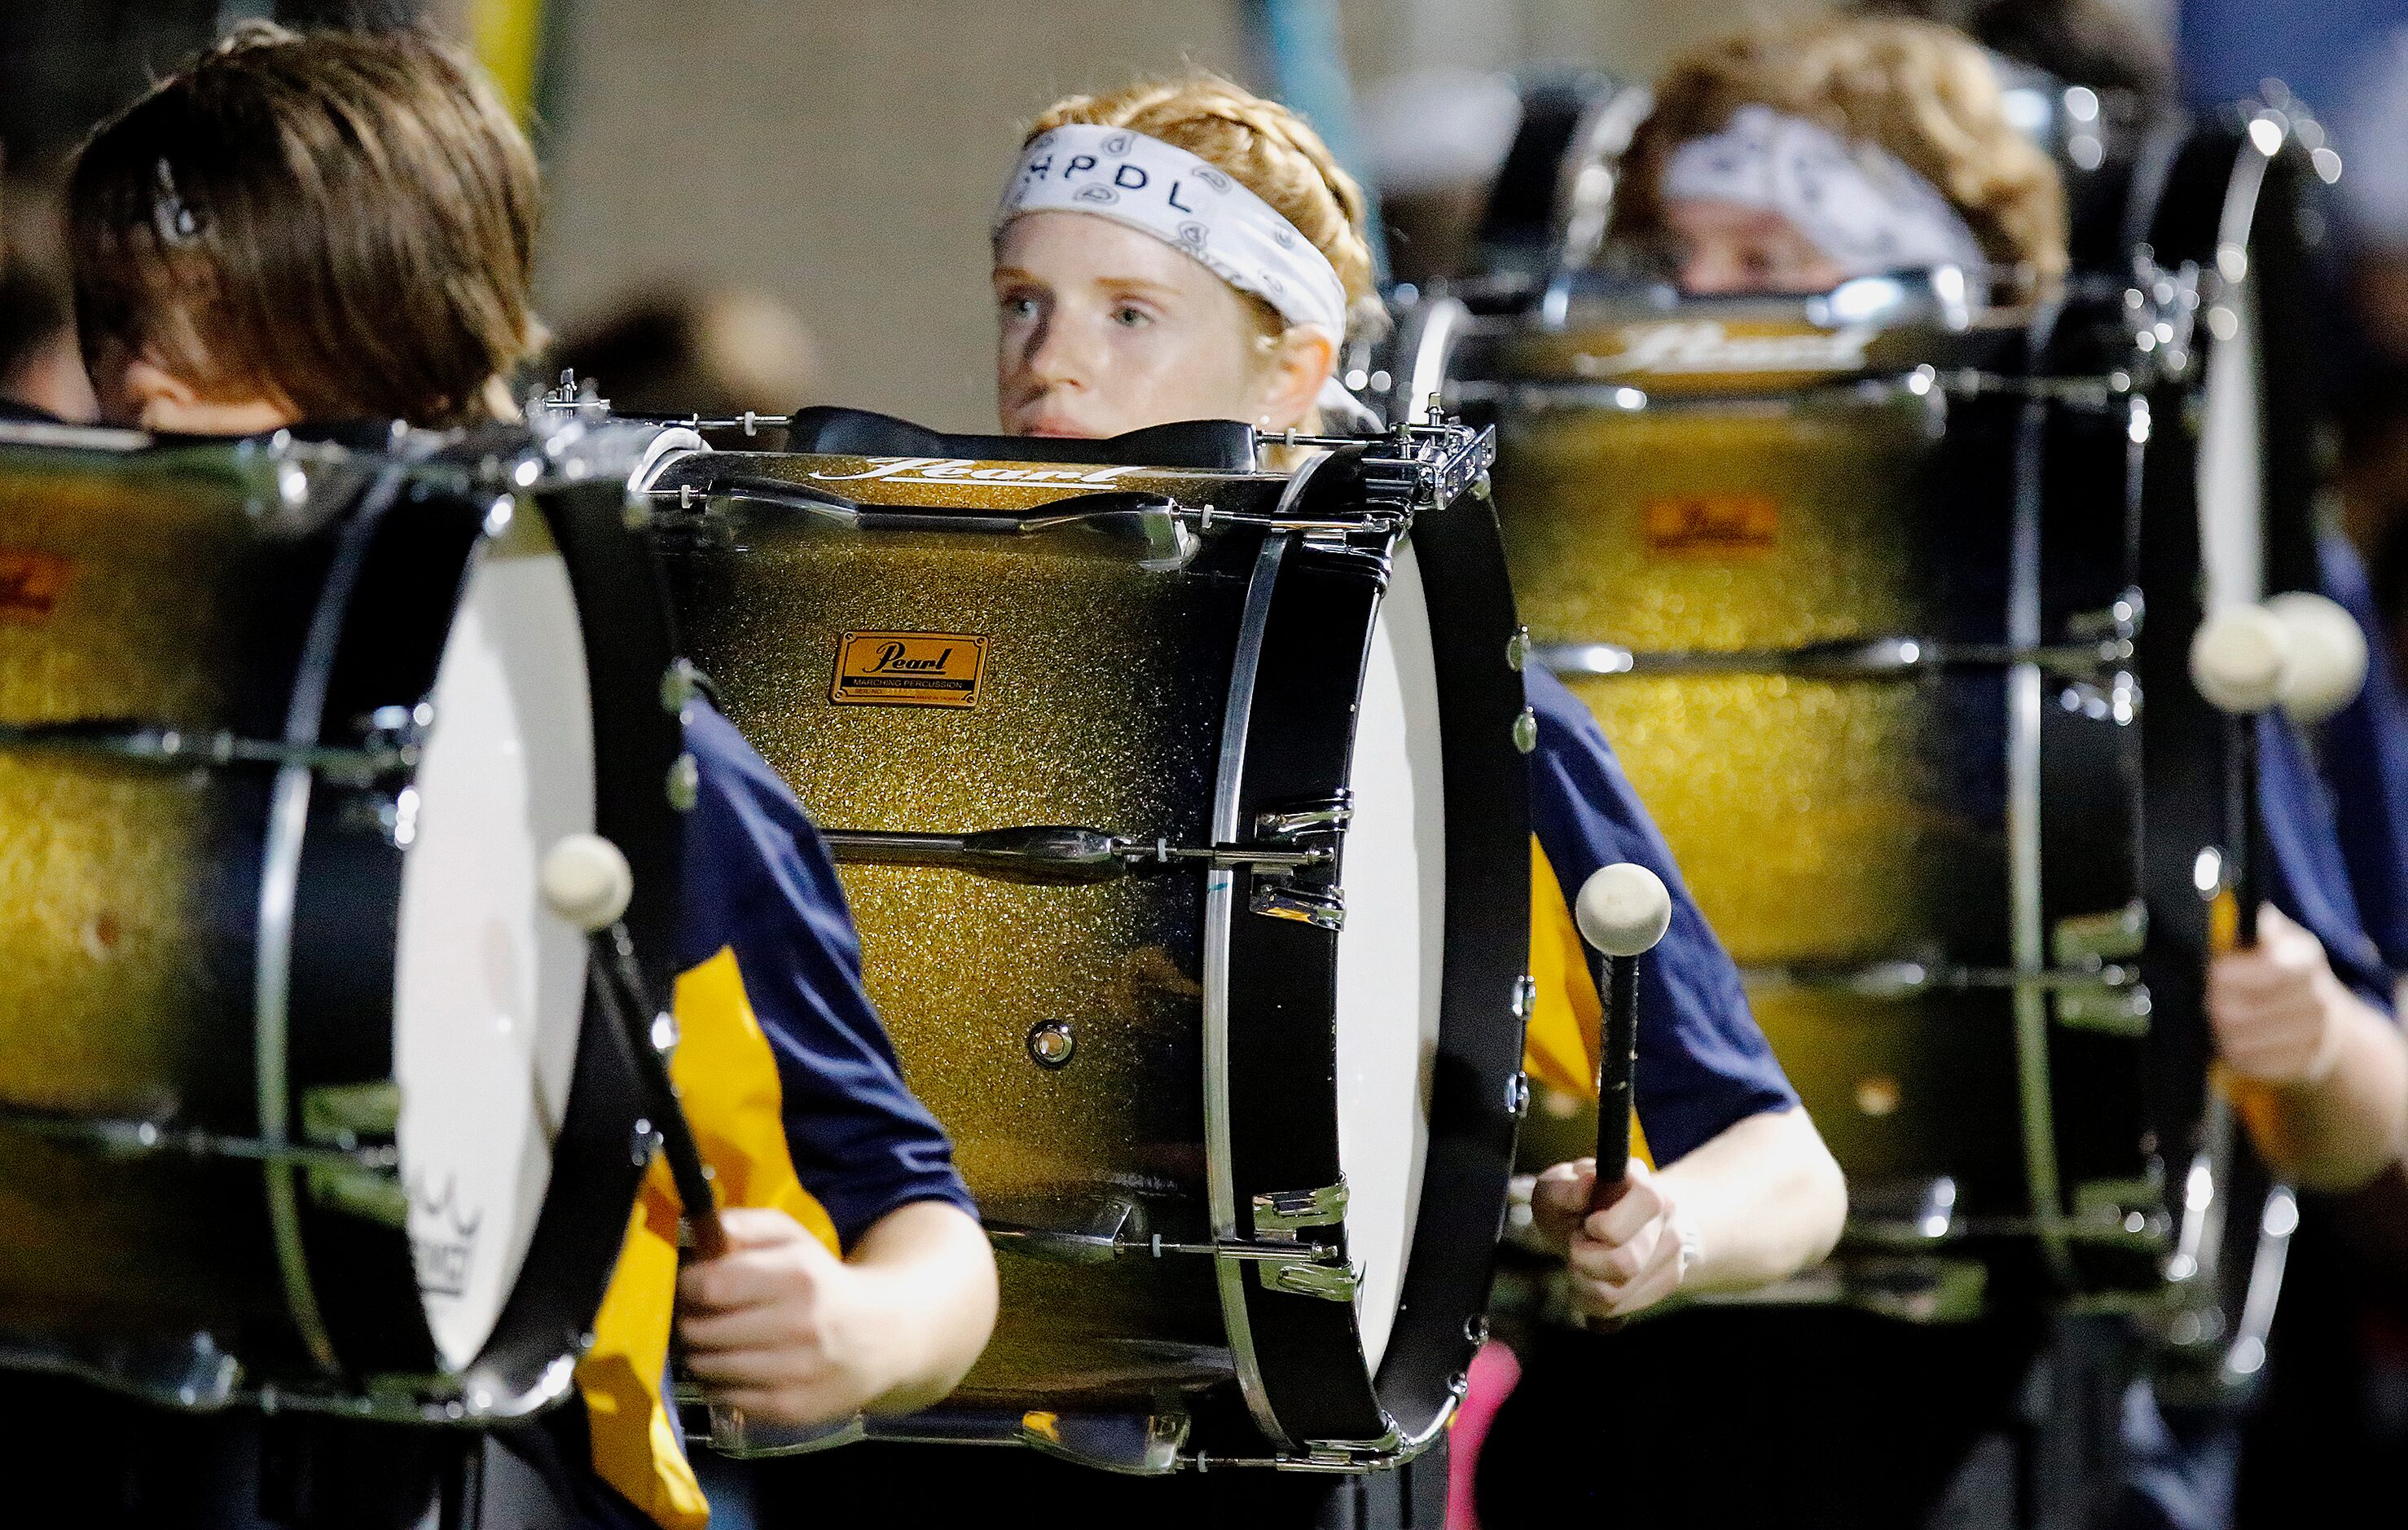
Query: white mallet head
2328,664
1623,909
2237,658
587,882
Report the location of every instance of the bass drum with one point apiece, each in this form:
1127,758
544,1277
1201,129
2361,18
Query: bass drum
1867,591
1179,812
304,1107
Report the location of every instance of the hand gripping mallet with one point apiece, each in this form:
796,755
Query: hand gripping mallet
587,882
1623,910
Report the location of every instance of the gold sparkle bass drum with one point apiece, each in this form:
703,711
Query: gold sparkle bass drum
1181,810
303,1105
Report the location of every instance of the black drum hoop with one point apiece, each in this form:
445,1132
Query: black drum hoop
1316,1400
364,1272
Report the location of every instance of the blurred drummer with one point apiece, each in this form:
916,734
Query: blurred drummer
312,232
1790,158
1185,250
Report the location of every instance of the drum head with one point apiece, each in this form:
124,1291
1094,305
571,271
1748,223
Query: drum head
489,986
1391,952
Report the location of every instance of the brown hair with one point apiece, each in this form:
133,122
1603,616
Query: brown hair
342,222
1273,154
1920,91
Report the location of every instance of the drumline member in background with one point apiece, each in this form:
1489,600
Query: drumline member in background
1185,250
311,233
1788,158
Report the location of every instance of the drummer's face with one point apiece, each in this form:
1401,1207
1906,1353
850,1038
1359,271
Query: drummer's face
1723,248
1101,329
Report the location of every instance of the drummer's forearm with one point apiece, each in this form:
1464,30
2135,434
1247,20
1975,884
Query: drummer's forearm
936,1268
2340,1132
1765,1198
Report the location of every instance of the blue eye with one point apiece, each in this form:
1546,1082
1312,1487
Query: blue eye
1130,316
1019,307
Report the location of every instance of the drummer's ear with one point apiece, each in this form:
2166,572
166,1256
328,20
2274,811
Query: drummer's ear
1300,363
157,399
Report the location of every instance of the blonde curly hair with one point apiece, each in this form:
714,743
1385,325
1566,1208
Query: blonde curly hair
1272,152
1922,92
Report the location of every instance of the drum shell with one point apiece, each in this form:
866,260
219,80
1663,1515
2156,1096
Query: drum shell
1829,822
207,590
137,891
1107,687
1103,708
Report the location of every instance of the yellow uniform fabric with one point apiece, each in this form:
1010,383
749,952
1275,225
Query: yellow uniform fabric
728,1080
1559,1041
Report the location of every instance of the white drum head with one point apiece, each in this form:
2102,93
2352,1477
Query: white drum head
489,987
2232,460
1390,951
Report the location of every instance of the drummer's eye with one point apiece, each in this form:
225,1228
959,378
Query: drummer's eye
1019,305
1130,316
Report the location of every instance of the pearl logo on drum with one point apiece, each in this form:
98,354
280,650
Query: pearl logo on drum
909,669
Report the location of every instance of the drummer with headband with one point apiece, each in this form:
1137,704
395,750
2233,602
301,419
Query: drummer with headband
1790,158
1787,159
224,292
1184,250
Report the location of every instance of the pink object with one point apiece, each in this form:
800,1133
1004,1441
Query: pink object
1494,1373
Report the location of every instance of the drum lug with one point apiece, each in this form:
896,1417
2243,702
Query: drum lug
1277,898
1525,731
1517,1095
1287,1211
1517,649
371,1194
1526,998
2114,936
2117,1012
684,783
1322,815
338,1115
2131,1212
1310,1278
681,682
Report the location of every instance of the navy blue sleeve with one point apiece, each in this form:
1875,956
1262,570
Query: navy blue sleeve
758,880
1704,1065
2364,756
2309,879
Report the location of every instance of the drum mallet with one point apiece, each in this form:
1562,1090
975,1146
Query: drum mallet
2300,650
1623,910
587,882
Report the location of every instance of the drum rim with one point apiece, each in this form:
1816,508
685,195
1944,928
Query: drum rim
1313,1368
581,1225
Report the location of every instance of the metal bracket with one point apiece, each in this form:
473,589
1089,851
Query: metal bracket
1286,1210
1303,1278
1279,899
2114,936
1319,816
2114,1010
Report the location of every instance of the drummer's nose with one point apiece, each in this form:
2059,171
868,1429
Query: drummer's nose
1712,267
1054,358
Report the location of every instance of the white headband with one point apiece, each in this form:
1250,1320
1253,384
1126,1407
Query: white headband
1188,204
1859,204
